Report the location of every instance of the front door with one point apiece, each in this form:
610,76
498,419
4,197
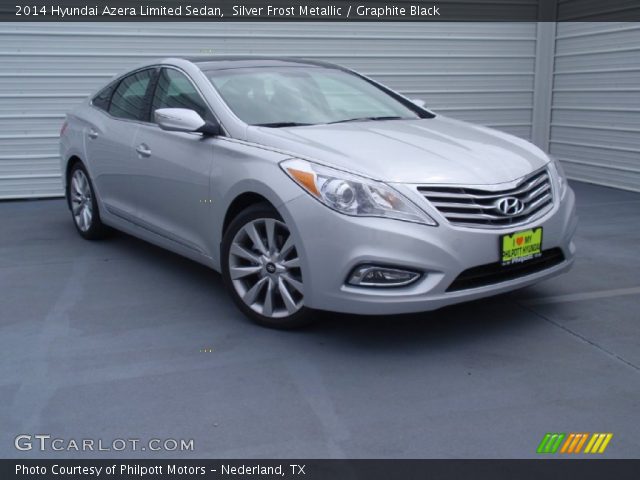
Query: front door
175,168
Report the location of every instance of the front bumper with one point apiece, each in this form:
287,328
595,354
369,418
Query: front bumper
331,245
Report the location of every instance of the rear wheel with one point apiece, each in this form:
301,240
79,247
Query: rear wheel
261,269
84,207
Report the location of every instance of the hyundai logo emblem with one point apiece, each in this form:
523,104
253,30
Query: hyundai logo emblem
509,206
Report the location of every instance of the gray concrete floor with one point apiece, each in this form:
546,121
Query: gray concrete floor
103,340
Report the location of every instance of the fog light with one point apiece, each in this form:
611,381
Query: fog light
373,276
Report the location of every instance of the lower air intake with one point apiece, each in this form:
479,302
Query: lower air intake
493,273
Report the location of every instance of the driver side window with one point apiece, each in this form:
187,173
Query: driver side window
175,90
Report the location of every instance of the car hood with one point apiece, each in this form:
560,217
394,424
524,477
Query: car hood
436,150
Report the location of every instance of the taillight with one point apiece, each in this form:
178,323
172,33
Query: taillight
63,128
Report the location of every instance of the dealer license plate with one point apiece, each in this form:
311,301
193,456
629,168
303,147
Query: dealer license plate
521,246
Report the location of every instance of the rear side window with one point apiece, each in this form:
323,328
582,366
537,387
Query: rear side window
129,98
175,90
102,99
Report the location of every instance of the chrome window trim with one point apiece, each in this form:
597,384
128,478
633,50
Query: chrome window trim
117,81
151,67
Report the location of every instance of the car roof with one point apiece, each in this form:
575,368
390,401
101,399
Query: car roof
224,62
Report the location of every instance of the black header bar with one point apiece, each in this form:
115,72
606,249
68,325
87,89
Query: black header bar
542,469
319,10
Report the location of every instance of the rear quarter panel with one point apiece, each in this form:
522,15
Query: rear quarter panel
72,140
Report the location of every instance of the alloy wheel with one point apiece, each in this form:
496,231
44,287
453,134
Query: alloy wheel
265,268
81,200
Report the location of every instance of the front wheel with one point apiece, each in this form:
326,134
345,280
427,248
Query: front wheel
261,269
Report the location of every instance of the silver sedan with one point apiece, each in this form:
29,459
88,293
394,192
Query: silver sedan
310,186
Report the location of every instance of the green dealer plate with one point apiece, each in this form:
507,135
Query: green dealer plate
521,246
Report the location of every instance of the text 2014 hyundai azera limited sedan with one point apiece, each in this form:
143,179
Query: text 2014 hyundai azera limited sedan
310,186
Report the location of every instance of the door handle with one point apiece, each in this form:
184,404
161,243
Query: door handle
93,134
143,150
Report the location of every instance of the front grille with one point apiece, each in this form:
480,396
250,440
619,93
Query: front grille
473,207
495,272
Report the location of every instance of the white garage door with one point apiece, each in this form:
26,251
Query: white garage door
481,72
595,118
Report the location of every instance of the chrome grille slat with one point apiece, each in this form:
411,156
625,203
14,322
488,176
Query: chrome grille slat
490,206
474,207
524,213
536,193
462,205
442,191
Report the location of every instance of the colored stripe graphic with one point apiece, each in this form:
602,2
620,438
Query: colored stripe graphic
598,443
543,443
550,442
581,442
568,444
574,443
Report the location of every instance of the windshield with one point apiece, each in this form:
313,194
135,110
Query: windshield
289,96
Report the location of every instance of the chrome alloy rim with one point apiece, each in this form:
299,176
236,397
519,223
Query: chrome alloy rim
81,204
265,268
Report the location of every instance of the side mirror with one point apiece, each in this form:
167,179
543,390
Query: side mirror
210,129
184,120
419,102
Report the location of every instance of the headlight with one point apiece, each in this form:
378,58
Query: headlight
559,177
352,194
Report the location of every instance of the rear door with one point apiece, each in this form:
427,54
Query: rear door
174,167
109,137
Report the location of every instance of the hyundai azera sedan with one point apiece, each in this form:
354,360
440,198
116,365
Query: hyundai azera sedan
312,187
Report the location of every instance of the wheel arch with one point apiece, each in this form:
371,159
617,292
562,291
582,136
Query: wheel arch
71,162
240,203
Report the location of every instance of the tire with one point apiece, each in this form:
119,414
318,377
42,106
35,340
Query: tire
261,269
83,204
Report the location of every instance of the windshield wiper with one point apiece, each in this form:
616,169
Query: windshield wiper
367,119
299,124
282,124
